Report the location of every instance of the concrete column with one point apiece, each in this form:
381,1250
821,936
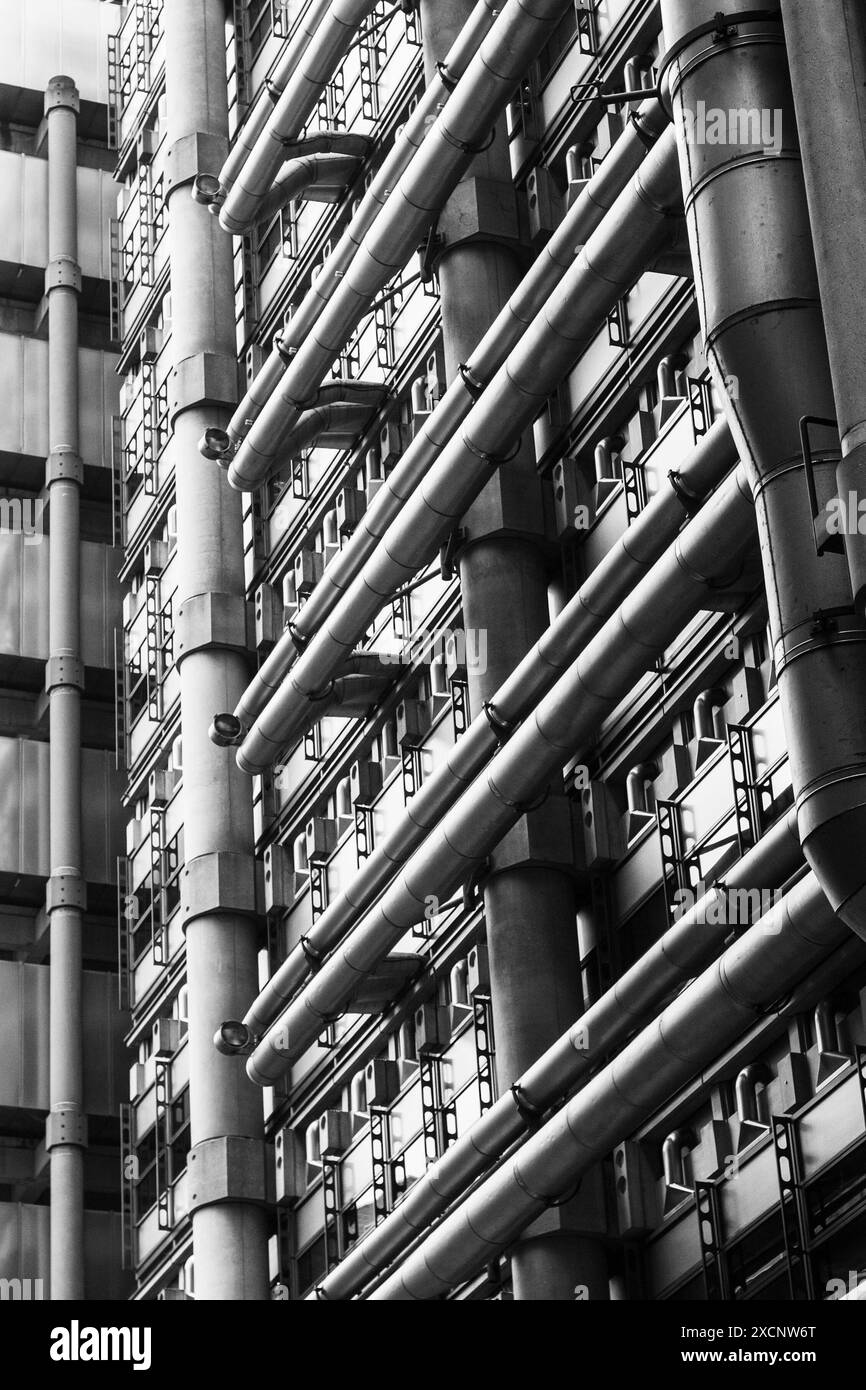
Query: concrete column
64,678
529,908
227,1157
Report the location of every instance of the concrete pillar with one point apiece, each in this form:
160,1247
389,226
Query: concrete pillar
226,1165
66,1134
529,907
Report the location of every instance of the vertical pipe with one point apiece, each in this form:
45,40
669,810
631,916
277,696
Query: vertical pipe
64,679
535,984
229,1221
833,144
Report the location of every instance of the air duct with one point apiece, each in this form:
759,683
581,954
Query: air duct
585,215
734,992
680,953
341,408
833,142
259,113
384,181
761,318
312,70
625,648
597,600
607,265
333,172
454,138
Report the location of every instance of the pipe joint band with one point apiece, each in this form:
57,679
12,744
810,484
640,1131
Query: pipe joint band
63,272
211,622
229,1168
474,387
65,890
62,93
64,466
191,155
65,1127
313,957
64,672
529,1113
689,500
502,728
204,379
223,883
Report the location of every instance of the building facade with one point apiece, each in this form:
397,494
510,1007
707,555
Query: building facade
478,810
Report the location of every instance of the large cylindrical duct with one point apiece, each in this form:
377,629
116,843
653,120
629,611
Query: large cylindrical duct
760,311
833,141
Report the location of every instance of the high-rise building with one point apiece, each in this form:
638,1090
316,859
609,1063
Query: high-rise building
459,500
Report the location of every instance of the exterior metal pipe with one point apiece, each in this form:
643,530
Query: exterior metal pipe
310,74
229,1221
636,550
762,323
66,1135
403,150
625,648
607,265
683,951
585,215
454,138
345,406
833,141
733,992
261,110
297,176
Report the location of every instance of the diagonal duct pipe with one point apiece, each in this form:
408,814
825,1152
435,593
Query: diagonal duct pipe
595,200
625,648
679,954
519,34
344,407
310,74
734,992
760,311
597,600
406,145
608,264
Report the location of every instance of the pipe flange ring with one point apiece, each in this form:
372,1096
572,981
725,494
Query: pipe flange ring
474,387
527,1111
502,728
314,956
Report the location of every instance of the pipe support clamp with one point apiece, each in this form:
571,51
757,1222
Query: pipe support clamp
229,1168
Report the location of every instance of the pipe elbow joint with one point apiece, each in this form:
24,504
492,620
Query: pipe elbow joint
226,730
216,445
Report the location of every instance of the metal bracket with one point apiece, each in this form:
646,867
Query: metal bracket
823,541
192,155
690,500
63,272
207,622
449,552
474,387
221,882
230,1168
64,671
65,1126
64,465
428,253
205,378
